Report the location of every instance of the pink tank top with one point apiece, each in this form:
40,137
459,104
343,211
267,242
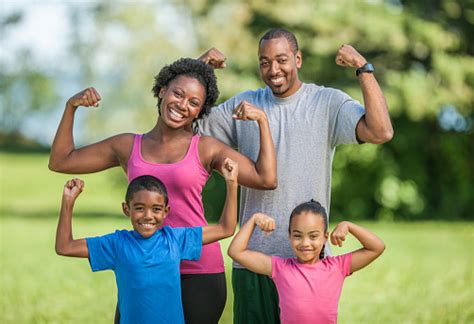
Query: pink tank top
184,181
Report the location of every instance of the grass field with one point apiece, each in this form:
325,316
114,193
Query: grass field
424,276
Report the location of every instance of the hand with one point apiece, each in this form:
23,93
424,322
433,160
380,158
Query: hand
247,111
265,222
214,58
230,170
87,97
347,56
73,188
339,234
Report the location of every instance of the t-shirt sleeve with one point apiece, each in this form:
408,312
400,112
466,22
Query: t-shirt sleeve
102,251
348,112
344,263
189,241
219,123
277,264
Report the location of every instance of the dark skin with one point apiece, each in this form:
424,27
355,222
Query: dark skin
168,141
279,65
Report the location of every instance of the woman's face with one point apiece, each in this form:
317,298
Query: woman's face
181,101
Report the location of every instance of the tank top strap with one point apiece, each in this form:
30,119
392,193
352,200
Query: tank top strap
137,143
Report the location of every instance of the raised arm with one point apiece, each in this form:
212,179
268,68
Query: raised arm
261,174
372,245
228,221
65,244
252,260
375,127
65,158
214,58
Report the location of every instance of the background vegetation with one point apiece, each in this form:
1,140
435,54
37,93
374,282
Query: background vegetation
423,52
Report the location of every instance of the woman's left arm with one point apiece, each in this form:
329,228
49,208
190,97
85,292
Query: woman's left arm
260,174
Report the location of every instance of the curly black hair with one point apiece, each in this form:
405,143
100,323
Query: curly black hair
191,68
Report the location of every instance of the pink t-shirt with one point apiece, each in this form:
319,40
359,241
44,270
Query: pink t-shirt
184,181
309,293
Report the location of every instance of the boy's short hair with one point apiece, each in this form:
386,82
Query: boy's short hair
146,182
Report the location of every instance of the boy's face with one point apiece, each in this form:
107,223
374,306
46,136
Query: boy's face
307,237
147,211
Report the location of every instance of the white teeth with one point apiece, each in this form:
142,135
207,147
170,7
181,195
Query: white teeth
147,225
176,114
277,81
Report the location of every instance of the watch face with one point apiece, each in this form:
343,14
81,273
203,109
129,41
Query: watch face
367,67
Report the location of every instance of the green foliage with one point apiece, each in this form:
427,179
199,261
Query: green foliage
423,65
422,52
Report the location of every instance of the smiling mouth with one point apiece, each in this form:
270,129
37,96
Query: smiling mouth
147,225
277,81
175,115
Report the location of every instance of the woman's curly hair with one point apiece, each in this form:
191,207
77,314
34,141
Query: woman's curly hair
192,68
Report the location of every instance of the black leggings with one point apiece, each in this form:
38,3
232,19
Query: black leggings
203,296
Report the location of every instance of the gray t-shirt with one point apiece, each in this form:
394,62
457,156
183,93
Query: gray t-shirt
306,127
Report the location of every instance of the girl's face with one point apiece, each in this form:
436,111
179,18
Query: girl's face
307,236
181,101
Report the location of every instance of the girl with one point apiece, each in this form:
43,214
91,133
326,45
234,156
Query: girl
186,90
310,285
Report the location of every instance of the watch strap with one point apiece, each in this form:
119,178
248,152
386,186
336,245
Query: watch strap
366,68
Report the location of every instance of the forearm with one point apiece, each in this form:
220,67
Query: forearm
369,240
65,243
377,120
228,220
63,143
266,162
240,242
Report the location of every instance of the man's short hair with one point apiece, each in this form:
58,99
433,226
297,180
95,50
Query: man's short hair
279,33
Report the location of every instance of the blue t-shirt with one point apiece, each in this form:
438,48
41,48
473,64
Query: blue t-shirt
147,270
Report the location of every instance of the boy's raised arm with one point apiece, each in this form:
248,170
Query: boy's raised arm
228,221
252,260
65,244
372,245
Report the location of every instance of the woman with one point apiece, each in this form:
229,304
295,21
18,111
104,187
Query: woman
170,151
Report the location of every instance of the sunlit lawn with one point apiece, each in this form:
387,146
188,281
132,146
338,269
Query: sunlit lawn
424,276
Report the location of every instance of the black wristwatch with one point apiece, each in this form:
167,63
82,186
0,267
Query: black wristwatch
366,68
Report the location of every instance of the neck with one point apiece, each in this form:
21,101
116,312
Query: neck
161,132
291,91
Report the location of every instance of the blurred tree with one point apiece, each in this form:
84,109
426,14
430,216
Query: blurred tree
423,56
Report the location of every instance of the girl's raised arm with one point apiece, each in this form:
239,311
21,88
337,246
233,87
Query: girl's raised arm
65,158
252,260
372,245
261,174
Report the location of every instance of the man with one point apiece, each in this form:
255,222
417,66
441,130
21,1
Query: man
307,122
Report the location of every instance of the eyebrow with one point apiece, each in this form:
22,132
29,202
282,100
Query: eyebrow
262,57
312,232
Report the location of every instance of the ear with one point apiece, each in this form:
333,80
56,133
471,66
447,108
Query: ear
162,92
299,59
167,210
125,209
326,236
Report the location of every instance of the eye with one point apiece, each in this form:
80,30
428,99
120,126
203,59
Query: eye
263,63
156,209
194,104
139,208
282,61
177,94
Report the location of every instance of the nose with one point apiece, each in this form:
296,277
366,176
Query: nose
148,215
275,67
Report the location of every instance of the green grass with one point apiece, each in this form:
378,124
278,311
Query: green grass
424,276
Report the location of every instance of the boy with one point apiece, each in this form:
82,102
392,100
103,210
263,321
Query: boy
146,260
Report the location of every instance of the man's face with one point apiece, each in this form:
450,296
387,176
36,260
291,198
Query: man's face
279,66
